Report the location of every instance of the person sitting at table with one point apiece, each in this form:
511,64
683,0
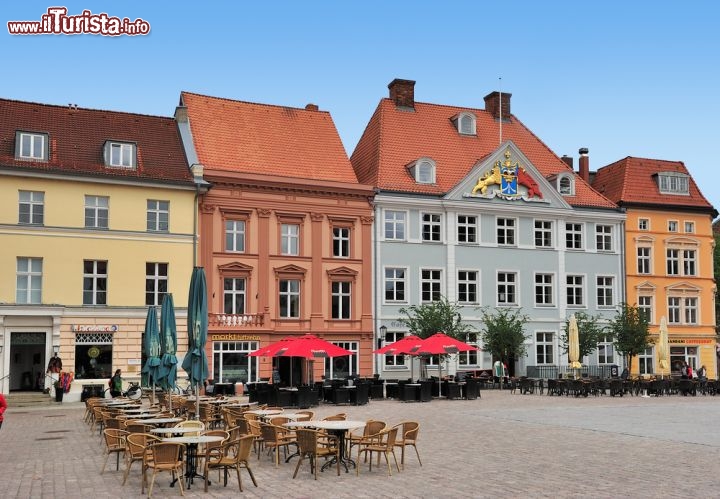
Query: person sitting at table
702,373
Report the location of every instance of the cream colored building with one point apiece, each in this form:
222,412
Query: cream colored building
97,216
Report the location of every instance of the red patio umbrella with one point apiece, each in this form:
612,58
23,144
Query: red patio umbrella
401,346
307,346
441,344
269,350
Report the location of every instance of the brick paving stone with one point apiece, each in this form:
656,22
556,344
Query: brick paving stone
501,445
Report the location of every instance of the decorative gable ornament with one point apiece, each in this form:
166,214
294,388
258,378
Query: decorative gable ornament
507,180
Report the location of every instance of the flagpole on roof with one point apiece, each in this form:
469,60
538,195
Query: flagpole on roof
500,110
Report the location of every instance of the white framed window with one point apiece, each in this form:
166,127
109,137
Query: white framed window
231,362
96,212
343,366
672,261
95,281
645,306
690,310
467,229
158,215
672,225
290,239
466,124
28,284
31,146
606,351
431,227
430,285
289,298
544,348
31,207
395,222
425,172
120,154
645,361
643,224
603,237
673,183
341,299
689,258
506,231
566,185
467,285
643,260
544,290
543,234
507,289
575,292
341,242
234,295
156,283
393,361
466,359
395,284
689,227
674,310
605,285
235,236
573,236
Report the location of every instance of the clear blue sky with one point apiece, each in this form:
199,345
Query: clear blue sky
621,78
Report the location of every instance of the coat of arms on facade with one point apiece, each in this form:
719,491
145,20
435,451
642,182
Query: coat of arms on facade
508,176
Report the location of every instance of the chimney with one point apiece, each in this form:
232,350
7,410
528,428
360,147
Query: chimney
312,107
402,92
492,105
584,162
567,160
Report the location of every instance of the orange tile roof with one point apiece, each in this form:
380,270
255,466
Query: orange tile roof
632,181
396,137
245,137
77,137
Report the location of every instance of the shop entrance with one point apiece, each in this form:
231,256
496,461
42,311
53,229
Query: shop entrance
27,361
290,370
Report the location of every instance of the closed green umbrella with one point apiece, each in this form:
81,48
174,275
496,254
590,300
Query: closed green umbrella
151,347
167,372
195,361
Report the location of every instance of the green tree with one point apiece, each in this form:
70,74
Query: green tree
503,333
590,332
438,316
629,330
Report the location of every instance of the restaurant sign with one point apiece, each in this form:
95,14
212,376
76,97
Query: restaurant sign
94,328
233,337
692,341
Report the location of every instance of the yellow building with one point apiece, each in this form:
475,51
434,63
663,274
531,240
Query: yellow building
669,257
97,214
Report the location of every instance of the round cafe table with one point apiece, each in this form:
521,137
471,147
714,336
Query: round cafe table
336,428
177,431
192,443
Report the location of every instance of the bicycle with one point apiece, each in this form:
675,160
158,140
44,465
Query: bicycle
133,392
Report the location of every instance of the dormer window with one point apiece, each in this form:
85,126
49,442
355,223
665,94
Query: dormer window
465,123
673,183
31,146
120,154
423,171
566,185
